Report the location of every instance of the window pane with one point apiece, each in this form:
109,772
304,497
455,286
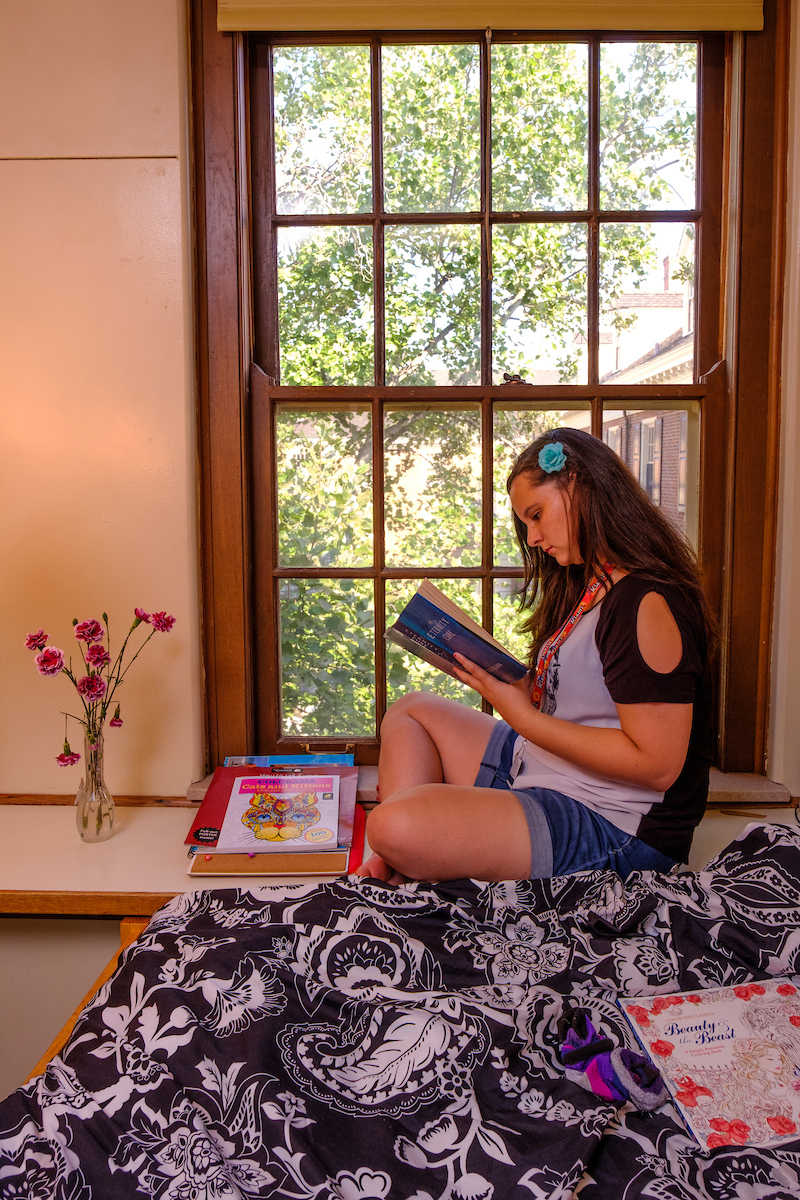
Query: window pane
323,161
515,427
647,303
662,449
325,312
324,487
407,673
648,124
539,302
327,657
539,126
433,304
508,619
431,128
432,487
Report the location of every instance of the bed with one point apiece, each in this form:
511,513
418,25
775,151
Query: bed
358,1040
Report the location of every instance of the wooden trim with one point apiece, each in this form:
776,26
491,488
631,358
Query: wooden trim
120,801
223,324
129,930
740,419
358,15
548,396
772,439
753,352
83,904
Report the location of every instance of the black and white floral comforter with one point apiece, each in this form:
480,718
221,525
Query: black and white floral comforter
369,1042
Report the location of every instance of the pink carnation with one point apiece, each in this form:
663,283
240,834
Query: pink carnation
89,631
50,661
97,656
116,722
36,641
162,622
67,760
141,615
92,687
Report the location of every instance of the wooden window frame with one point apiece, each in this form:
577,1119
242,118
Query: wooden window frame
738,355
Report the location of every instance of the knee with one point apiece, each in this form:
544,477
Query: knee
394,828
421,706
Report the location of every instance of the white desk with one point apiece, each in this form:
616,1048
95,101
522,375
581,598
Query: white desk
46,868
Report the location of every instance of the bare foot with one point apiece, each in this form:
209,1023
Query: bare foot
376,868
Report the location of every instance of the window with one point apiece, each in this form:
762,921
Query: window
650,458
731,401
683,438
458,244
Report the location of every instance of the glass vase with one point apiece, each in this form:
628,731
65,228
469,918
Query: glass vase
95,804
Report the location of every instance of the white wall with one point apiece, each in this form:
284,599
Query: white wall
97,438
49,964
784,740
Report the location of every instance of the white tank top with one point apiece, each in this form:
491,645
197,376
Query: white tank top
575,691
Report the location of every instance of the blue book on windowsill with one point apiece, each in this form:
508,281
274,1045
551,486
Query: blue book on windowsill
276,760
433,627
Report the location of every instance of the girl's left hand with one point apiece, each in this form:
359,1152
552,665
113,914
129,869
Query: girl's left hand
511,701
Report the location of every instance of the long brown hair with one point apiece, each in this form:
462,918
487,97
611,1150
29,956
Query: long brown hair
611,518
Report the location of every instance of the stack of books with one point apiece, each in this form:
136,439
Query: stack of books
279,815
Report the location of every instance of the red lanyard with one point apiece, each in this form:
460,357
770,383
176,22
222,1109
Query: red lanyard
548,650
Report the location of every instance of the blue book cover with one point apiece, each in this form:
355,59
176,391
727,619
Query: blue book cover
433,635
274,760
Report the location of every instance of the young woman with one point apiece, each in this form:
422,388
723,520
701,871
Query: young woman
600,758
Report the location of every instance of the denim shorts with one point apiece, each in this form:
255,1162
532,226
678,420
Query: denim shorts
565,835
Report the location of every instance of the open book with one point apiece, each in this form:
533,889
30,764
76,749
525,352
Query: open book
433,627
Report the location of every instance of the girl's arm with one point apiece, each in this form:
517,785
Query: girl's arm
649,749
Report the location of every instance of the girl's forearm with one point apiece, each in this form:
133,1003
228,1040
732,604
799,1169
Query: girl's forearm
649,754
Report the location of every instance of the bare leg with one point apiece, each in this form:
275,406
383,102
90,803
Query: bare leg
425,740
446,831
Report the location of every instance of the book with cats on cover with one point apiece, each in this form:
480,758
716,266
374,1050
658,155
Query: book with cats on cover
433,627
208,857
730,1058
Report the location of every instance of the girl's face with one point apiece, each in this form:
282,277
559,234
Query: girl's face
546,512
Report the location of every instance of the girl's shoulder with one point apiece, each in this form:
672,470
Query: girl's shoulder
620,606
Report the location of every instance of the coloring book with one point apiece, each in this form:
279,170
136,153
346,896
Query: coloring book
730,1057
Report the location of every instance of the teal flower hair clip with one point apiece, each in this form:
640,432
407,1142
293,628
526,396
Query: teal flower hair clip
552,457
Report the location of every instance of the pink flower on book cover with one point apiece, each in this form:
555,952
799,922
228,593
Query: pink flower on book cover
782,1125
92,687
786,989
89,631
747,990
639,1015
36,641
689,1091
795,1020
735,1133
662,1048
97,656
50,661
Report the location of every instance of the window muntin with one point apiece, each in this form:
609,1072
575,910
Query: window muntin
533,278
